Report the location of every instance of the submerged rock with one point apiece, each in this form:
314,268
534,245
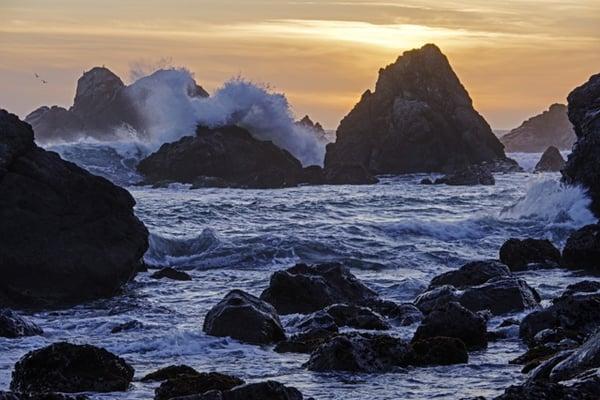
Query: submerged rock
127,326
583,164
12,325
551,161
550,128
171,273
50,205
244,317
582,250
70,368
195,385
517,254
469,176
419,119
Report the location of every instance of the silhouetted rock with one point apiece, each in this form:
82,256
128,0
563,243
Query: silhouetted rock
197,384
245,318
438,350
170,372
349,174
551,161
419,119
12,325
582,250
52,206
583,164
171,273
550,128
70,368
455,321
518,254
468,176
471,274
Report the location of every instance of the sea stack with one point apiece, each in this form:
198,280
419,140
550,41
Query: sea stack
551,128
420,118
583,164
67,235
551,161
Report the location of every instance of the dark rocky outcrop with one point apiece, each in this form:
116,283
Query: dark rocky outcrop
582,250
455,321
438,350
40,396
195,385
269,390
518,254
171,273
471,274
51,205
356,317
244,317
551,161
582,287
469,176
419,119
500,296
550,128
12,325
583,390
70,368
583,164
170,372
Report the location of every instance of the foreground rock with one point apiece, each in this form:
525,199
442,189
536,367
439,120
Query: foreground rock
170,372
50,205
471,274
269,390
246,318
518,254
70,368
12,325
550,128
195,385
582,250
419,119
39,396
583,164
551,161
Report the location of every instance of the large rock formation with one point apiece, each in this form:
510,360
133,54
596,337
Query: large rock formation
583,164
67,235
550,128
419,119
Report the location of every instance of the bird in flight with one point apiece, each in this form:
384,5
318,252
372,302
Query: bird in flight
37,76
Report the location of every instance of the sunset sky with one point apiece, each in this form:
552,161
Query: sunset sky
515,57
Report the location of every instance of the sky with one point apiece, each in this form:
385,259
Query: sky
515,57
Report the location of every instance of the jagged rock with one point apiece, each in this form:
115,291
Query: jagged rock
170,372
471,274
582,250
50,205
455,321
583,164
171,273
12,325
469,176
586,357
419,119
196,384
244,317
70,368
551,161
314,127
550,128
517,254
438,351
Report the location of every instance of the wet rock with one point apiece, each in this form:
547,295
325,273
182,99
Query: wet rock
586,357
419,119
426,181
70,368
349,174
171,273
402,314
305,342
12,325
170,372
436,298
550,128
127,326
195,385
50,205
305,289
551,391
582,287
471,274
500,296
517,254
438,351
244,317
359,353
39,396
469,176
551,161
582,250
356,317
454,321
583,164
269,390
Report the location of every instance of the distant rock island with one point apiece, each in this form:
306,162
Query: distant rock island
420,118
550,128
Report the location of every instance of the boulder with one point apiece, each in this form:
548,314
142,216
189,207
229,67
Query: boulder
552,391
70,368
454,321
551,161
582,250
12,325
517,254
551,128
50,205
269,390
583,164
244,317
305,342
583,287
419,119
586,357
195,384
170,372
471,274
438,350
471,175
305,289
357,317
171,273
40,396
